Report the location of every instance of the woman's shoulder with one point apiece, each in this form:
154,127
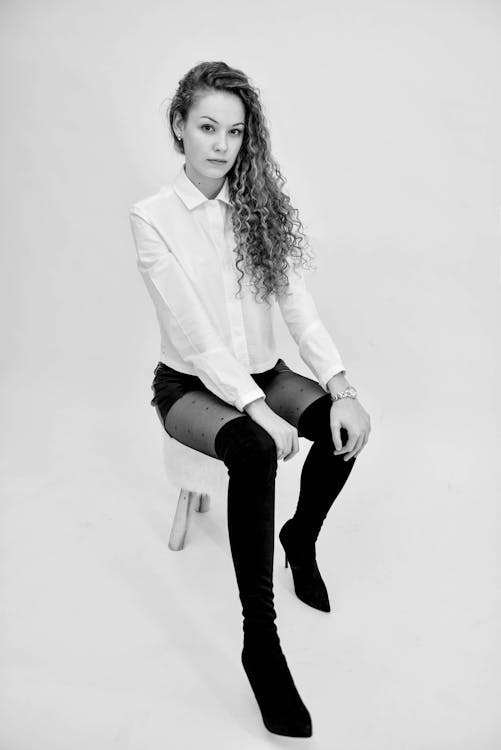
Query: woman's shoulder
156,204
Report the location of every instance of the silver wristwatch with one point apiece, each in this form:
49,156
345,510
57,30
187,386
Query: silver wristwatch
349,392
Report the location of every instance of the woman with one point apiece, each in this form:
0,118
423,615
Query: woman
207,244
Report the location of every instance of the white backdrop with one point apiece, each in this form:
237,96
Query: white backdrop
385,119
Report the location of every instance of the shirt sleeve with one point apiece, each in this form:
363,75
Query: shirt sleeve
316,347
181,312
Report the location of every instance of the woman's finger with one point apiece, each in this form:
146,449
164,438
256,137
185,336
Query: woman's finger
356,450
336,436
295,448
350,443
365,440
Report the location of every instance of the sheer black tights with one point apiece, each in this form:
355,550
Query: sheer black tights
196,418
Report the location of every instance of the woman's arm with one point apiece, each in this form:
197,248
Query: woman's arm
316,347
181,312
320,353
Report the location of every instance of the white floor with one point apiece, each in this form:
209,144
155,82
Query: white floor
109,640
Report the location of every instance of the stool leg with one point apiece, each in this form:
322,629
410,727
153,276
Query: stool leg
186,503
204,504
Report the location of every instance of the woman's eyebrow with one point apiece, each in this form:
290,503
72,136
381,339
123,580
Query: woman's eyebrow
213,120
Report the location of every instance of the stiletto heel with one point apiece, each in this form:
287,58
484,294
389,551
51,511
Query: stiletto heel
308,583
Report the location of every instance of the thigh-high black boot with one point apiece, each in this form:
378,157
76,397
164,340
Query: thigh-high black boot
250,455
322,478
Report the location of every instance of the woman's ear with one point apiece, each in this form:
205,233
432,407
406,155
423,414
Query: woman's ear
177,124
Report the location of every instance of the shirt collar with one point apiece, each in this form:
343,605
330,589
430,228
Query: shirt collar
191,195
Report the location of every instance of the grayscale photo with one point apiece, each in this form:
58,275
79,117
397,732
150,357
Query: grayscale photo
250,487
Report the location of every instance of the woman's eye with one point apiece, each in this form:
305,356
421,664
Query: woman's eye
235,130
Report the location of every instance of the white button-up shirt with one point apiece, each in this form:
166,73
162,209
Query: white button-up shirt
185,254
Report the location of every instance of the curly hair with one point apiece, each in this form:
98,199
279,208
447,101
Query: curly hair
266,226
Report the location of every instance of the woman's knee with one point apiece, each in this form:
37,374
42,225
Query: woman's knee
315,421
243,442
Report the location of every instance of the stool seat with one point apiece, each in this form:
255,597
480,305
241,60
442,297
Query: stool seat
198,476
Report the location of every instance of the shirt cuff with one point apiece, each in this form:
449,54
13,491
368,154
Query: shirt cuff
325,377
248,397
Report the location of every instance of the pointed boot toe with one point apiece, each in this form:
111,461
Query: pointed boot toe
282,708
309,585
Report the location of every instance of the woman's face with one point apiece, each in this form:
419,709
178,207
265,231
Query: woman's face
213,130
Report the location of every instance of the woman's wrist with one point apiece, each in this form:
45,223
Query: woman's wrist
337,383
257,405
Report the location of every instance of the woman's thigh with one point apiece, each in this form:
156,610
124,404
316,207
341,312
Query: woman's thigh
196,417
289,394
188,411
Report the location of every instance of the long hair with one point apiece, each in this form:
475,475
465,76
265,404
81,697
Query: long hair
266,226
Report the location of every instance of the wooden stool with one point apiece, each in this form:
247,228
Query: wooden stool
200,477
187,502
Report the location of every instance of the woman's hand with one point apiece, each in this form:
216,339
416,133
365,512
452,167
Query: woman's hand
283,433
350,414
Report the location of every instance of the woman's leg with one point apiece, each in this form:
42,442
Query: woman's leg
251,457
303,403
204,422
324,474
